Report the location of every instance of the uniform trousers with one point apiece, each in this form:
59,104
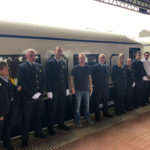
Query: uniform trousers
5,130
138,94
120,90
146,91
31,107
57,105
101,96
129,97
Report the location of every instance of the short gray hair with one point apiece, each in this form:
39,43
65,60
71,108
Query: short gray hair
29,50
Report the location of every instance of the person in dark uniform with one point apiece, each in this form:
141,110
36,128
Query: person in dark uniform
130,84
119,80
101,89
146,78
7,98
139,85
57,89
31,79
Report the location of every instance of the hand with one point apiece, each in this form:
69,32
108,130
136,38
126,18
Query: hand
91,90
1,118
50,95
36,95
73,91
67,92
19,88
148,76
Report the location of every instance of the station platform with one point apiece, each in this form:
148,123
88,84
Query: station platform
125,132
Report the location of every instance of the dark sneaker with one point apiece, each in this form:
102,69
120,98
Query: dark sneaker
79,124
89,122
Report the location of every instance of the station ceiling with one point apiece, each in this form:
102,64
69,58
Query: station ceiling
142,6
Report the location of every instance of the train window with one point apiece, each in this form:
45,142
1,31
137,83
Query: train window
13,62
91,59
132,52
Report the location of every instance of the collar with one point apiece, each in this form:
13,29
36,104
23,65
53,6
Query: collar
137,60
145,59
30,63
102,65
82,66
4,78
58,60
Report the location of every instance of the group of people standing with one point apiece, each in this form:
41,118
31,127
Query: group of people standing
84,82
131,82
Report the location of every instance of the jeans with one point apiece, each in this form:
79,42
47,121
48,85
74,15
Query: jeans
85,96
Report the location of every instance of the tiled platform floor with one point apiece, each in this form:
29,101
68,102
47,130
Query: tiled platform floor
126,132
132,134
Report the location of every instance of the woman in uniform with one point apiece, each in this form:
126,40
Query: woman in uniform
7,98
130,84
119,80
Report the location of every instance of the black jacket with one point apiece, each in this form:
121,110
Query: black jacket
99,76
5,97
139,70
56,76
130,76
31,79
118,75
9,102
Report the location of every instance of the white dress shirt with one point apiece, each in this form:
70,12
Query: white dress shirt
146,64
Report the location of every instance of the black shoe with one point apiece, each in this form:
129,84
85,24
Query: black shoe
51,131
97,118
136,107
143,105
118,113
123,112
8,147
24,144
41,136
130,108
63,127
108,115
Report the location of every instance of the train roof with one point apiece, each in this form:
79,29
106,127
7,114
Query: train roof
24,30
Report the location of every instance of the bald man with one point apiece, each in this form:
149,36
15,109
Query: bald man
57,89
31,79
101,90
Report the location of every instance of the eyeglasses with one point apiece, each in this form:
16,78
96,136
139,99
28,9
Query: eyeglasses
102,57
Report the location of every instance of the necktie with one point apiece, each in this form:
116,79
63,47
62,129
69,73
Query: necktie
59,62
32,65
